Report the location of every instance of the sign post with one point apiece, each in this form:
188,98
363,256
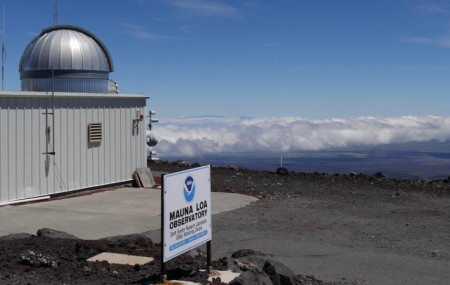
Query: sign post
163,265
185,213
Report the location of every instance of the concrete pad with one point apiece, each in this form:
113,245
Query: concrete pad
110,213
117,258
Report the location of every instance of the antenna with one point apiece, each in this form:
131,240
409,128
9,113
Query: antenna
3,50
55,13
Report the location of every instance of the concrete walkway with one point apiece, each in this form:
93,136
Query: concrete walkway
110,213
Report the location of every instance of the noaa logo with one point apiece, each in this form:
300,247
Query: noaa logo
189,189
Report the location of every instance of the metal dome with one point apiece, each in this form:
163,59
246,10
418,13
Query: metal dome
66,59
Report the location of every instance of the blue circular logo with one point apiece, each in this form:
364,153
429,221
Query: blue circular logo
189,189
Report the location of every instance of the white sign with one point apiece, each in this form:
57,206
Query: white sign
187,210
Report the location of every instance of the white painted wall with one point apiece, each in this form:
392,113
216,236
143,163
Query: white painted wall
24,170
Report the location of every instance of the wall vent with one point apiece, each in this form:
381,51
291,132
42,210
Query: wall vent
95,132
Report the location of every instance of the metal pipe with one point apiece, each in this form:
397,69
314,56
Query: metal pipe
47,131
53,110
3,49
55,13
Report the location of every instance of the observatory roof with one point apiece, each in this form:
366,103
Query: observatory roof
65,47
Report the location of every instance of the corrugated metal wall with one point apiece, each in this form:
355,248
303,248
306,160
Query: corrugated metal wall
25,170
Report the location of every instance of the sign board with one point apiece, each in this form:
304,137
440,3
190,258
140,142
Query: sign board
186,211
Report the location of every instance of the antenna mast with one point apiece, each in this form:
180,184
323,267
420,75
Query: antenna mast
3,50
55,13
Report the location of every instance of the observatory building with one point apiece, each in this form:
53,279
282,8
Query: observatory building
69,128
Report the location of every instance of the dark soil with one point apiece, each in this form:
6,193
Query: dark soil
50,260
46,259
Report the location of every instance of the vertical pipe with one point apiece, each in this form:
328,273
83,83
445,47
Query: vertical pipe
53,109
163,265
3,49
55,13
47,131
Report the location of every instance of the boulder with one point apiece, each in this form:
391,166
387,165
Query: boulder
245,265
232,167
279,273
282,171
33,259
244,252
258,260
378,175
15,236
254,263
49,233
251,278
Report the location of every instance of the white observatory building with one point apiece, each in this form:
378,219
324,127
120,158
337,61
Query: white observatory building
69,128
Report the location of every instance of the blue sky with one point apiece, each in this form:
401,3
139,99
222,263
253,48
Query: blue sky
312,59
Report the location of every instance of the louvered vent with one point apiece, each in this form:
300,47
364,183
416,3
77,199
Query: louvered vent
95,132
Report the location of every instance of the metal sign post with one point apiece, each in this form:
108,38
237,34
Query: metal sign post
185,214
163,265
208,257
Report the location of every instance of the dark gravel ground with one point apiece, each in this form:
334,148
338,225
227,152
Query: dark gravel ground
47,258
53,257
283,183
341,228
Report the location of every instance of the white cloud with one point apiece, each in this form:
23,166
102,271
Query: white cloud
206,8
433,8
442,42
140,32
271,44
197,136
418,40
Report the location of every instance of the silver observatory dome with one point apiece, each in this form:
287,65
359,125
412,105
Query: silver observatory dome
66,59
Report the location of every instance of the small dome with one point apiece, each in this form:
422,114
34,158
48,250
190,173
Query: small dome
66,58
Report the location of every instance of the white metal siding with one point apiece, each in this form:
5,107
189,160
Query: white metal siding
24,169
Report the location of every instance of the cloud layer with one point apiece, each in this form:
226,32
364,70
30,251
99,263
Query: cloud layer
212,135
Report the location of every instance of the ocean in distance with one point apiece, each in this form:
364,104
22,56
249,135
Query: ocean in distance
429,160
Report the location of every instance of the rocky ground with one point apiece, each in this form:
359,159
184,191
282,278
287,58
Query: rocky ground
346,228
343,229
53,257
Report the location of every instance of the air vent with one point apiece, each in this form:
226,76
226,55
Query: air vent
95,132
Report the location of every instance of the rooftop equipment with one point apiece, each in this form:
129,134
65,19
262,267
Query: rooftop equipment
152,139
